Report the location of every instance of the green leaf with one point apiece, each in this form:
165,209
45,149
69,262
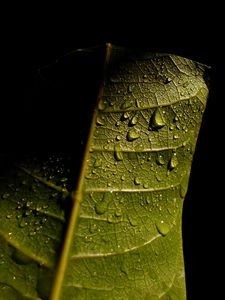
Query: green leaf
122,238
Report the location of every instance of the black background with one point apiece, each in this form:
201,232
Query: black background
35,37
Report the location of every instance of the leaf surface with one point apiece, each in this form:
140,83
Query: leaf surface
122,239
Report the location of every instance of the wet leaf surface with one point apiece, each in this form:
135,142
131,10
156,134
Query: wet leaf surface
102,219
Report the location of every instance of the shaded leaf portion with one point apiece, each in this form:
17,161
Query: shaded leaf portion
31,226
126,239
37,176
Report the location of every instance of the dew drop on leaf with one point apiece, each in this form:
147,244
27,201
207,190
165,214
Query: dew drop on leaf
132,135
101,105
102,206
160,160
133,221
5,196
100,121
133,121
137,181
97,163
162,227
64,179
126,104
148,200
157,120
110,219
118,212
173,162
23,223
145,185
32,233
118,153
126,116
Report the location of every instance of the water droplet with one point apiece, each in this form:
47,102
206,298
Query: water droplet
175,136
101,105
173,162
38,228
122,177
28,204
160,160
148,200
97,163
157,120
110,219
23,223
28,212
178,126
125,105
162,227
118,212
133,121
185,84
137,181
118,137
5,196
133,221
126,115
32,233
64,179
132,135
118,153
145,186
100,121
102,206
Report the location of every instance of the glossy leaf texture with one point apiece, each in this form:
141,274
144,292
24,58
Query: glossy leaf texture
122,239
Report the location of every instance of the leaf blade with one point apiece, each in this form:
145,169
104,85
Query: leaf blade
117,228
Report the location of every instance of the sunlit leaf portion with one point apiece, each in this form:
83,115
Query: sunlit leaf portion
126,241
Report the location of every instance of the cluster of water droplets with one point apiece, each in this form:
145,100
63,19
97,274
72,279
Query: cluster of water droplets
143,144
